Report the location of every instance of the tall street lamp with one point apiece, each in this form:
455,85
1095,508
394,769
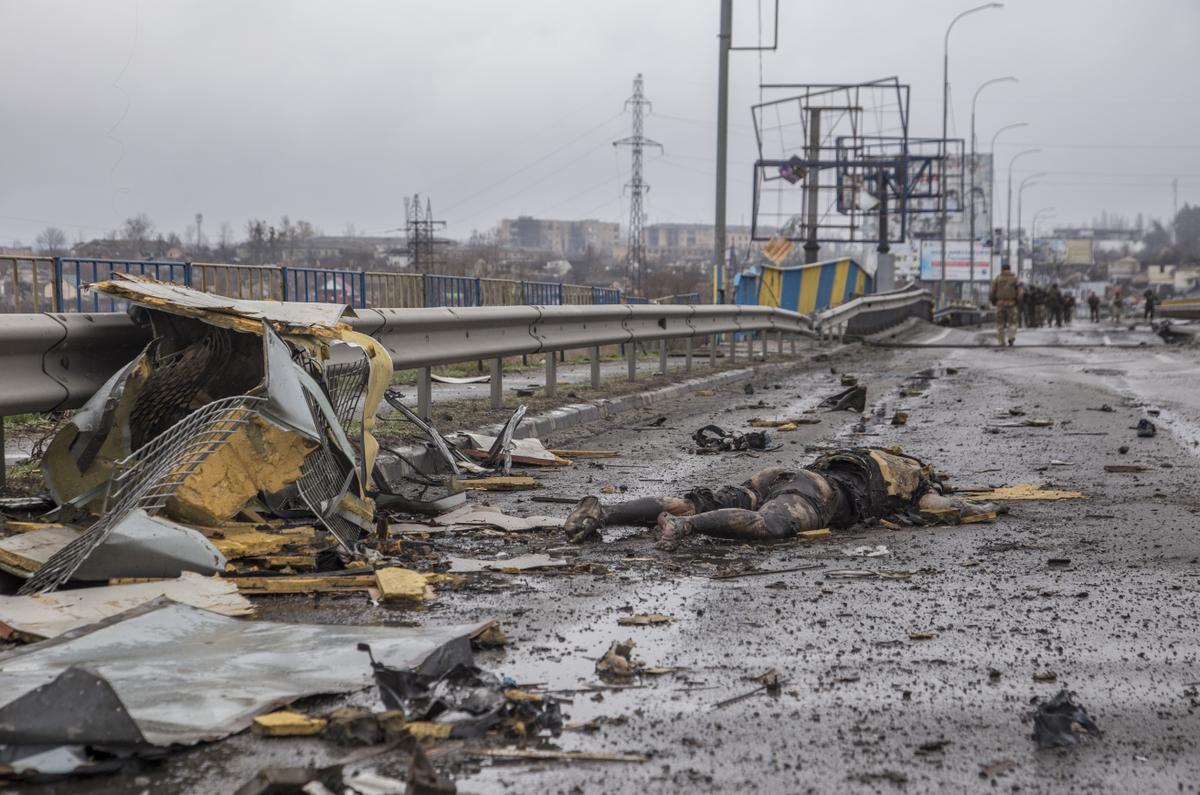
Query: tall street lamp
1049,213
974,100
992,195
1020,193
1007,257
945,123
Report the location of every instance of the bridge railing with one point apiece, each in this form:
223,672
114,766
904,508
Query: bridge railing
75,273
254,282
58,284
27,284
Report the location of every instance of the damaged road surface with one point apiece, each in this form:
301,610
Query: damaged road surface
927,649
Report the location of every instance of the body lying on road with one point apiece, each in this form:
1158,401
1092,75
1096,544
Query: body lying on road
839,490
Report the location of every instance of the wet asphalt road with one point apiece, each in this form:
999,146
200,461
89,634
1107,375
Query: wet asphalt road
865,707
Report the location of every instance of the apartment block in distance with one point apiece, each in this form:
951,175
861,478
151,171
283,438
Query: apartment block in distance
691,240
565,238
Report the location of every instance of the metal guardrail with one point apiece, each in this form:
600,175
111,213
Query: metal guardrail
873,313
58,361
1179,309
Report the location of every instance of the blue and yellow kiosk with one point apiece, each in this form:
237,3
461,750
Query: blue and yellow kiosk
803,288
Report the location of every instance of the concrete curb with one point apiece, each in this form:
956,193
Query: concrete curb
576,414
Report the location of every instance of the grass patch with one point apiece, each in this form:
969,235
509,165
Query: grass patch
24,479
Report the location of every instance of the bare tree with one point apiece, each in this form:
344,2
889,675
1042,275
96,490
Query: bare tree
225,239
138,229
52,241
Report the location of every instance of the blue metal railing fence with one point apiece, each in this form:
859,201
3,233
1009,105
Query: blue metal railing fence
69,276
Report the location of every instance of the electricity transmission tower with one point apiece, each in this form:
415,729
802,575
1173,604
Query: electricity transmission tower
636,252
419,230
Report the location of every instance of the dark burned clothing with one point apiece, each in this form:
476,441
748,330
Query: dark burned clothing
838,490
874,483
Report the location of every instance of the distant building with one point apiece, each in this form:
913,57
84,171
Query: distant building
1124,269
564,238
335,246
685,241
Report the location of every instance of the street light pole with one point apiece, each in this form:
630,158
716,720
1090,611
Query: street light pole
1033,232
974,100
1020,196
1008,234
945,124
992,194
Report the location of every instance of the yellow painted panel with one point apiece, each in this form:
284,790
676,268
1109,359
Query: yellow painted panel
840,274
860,283
769,287
810,279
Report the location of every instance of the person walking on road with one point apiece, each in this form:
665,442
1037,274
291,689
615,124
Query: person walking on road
1116,304
1005,295
1054,305
1151,300
1094,306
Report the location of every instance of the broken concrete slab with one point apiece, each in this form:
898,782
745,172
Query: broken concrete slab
51,615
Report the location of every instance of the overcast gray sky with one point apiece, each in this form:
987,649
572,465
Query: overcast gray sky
333,111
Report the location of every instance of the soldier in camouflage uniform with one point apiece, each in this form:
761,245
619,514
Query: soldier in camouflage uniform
1005,295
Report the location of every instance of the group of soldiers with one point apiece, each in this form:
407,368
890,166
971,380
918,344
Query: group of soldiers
1028,306
1033,306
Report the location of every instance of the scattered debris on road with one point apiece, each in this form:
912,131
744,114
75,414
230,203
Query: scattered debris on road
1061,723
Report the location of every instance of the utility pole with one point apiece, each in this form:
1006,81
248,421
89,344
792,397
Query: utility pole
812,248
419,230
199,233
1174,211
724,47
635,254
724,38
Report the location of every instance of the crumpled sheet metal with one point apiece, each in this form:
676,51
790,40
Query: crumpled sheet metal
187,675
146,479
219,310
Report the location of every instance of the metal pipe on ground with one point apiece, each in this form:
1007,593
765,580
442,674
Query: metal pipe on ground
497,383
424,392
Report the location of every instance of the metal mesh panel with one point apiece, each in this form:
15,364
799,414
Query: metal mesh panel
346,384
323,481
324,478
172,384
147,478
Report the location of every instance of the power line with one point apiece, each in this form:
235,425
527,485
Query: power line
530,165
1098,146
531,185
